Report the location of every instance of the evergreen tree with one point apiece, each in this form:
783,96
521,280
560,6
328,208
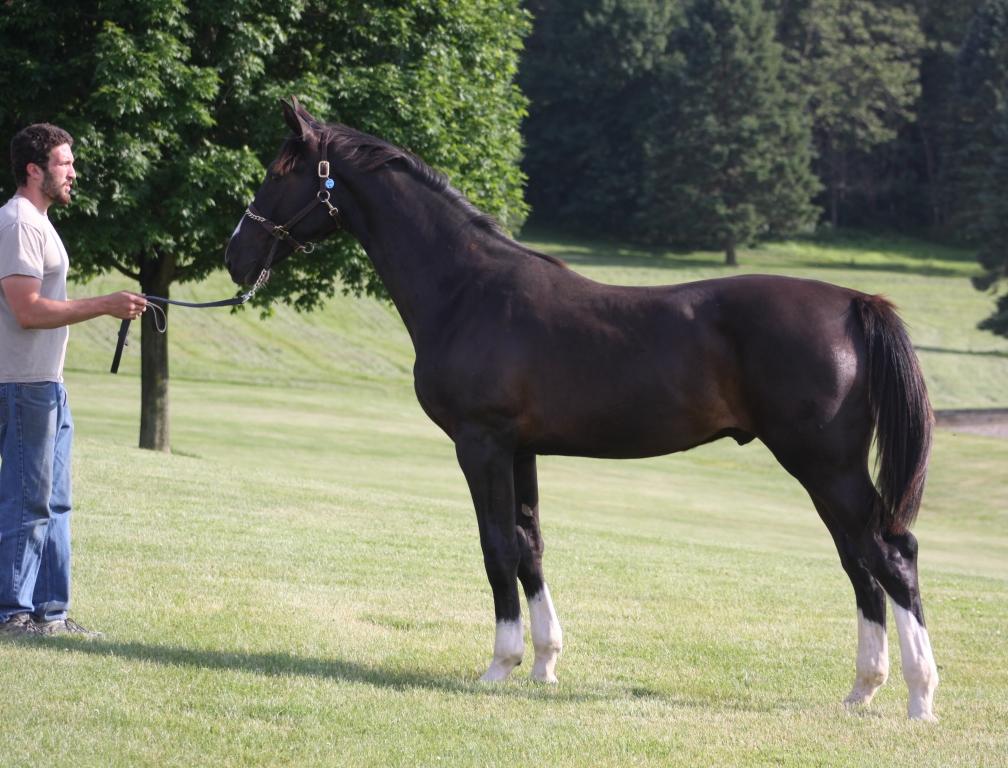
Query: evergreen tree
859,61
590,71
981,85
729,147
174,109
931,142
992,232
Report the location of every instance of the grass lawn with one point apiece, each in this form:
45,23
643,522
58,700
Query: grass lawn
300,583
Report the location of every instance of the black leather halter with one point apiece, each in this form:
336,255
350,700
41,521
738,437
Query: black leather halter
282,232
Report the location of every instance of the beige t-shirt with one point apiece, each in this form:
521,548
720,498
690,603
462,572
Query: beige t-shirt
30,246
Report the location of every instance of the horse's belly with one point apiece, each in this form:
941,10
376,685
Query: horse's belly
635,428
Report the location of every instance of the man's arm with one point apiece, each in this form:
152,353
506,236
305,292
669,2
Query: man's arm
33,312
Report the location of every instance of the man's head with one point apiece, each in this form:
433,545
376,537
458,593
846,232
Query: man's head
41,158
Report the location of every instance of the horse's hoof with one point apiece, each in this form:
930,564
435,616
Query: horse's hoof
497,672
858,698
923,716
547,679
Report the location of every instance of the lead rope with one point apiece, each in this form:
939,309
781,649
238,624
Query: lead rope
278,232
161,318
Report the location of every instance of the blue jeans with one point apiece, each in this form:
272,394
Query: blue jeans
36,432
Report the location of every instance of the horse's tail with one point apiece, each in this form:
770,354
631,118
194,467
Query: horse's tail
901,413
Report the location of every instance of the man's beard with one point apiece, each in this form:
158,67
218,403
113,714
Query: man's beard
54,191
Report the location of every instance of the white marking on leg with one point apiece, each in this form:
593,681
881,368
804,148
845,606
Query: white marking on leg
509,645
872,666
919,669
547,637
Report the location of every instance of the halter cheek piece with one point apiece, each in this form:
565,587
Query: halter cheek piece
282,232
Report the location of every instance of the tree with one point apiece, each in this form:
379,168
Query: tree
981,86
944,25
992,230
860,64
591,71
729,144
173,106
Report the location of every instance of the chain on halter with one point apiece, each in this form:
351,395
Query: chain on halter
282,232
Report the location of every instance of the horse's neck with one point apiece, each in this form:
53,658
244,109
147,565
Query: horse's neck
421,244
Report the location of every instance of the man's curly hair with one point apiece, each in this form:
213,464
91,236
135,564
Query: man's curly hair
33,145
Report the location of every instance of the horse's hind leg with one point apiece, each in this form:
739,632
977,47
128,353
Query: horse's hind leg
489,469
547,637
874,559
872,662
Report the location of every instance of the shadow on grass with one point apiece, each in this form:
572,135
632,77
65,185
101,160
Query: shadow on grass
283,665
840,252
969,352
617,257
289,665
903,268
778,265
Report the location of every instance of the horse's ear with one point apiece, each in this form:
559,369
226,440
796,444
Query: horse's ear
299,121
307,118
291,118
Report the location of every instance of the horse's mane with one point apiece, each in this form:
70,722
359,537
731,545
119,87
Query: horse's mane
368,153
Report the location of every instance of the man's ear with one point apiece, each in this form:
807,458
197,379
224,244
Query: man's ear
35,171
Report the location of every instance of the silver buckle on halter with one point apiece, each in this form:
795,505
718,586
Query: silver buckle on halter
323,169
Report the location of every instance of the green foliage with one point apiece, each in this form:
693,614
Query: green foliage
915,192
592,72
981,87
730,147
623,117
173,106
879,78
979,177
992,230
859,62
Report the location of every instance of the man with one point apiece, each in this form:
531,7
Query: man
36,429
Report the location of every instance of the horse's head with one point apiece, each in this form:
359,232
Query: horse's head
295,205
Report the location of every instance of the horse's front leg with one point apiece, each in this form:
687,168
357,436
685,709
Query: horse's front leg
547,637
488,465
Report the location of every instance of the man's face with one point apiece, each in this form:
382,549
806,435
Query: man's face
59,175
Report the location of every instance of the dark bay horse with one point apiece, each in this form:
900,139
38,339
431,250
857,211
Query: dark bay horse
518,356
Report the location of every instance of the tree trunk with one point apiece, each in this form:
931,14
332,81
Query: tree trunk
930,165
731,257
155,280
834,189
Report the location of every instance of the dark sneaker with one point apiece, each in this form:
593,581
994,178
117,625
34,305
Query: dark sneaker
64,627
18,625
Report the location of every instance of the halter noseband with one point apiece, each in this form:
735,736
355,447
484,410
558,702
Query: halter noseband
282,232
